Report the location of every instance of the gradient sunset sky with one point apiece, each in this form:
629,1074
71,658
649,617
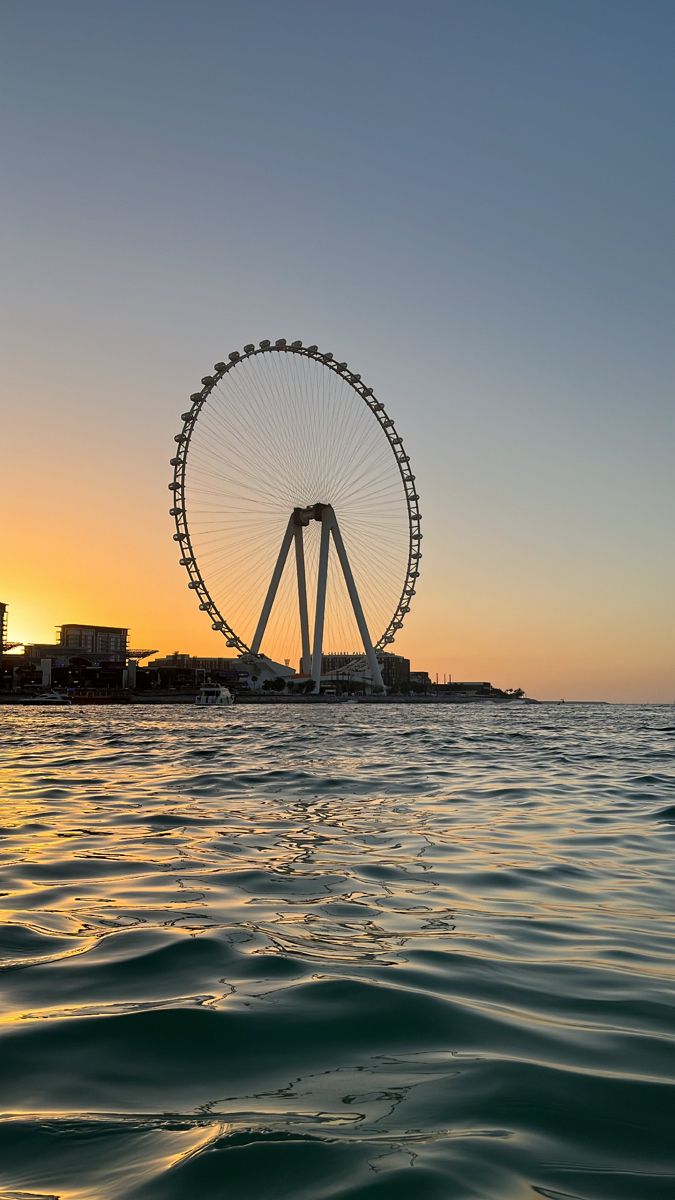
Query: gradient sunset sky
472,203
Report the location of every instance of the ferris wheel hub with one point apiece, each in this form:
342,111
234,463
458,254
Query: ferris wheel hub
313,512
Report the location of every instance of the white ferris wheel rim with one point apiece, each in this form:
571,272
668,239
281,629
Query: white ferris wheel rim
179,510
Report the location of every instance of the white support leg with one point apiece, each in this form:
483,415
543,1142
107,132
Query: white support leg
317,648
375,672
306,660
274,584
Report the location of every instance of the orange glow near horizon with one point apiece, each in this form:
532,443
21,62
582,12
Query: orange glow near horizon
562,589
524,595
467,628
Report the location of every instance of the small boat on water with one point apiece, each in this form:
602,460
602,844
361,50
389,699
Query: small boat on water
213,695
47,698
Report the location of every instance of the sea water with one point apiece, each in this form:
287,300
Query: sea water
338,952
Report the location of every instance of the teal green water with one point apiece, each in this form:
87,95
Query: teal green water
347,952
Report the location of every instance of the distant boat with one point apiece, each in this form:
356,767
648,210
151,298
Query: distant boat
213,695
47,698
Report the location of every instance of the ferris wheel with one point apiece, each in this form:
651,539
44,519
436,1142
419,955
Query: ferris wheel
284,446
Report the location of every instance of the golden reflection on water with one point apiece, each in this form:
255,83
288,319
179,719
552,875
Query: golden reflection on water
368,922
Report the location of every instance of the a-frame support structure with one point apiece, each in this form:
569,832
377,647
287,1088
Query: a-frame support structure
311,659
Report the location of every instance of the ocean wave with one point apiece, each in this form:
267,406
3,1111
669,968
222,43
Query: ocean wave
353,953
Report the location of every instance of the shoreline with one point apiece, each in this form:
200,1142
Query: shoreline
189,699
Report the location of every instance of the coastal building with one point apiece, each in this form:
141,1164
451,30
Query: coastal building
475,690
82,653
5,644
395,670
95,640
346,666
91,644
247,671
184,672
193,662
472,689
6,666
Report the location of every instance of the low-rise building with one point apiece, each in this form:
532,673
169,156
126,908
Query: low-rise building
348,667
194,662
80,651
90,644
95,640
246,671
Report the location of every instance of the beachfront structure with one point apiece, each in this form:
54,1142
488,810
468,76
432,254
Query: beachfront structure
285,454
247,671
94,639
88,644
352,667
5,644
191,662
420,681
93,644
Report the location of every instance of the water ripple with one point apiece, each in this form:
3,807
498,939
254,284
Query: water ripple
341,953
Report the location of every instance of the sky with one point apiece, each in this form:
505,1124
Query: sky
471,203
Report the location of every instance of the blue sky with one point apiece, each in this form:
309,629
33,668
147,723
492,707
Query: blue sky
471,203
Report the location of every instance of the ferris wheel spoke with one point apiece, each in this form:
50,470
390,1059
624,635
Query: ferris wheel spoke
256,425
